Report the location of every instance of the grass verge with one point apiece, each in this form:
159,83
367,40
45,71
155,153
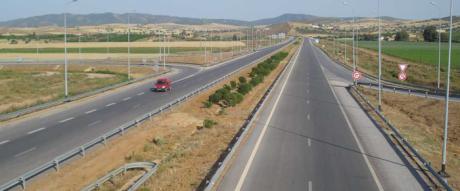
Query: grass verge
421,121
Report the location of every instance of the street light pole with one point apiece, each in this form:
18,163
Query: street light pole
380,58
439,43
353,38
66,77
446,112
129,46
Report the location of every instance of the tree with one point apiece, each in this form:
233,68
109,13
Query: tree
402,36
430,34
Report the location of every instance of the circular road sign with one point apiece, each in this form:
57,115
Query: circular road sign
402,76
357,75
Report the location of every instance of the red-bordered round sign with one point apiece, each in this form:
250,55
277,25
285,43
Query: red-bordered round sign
357,75
402,76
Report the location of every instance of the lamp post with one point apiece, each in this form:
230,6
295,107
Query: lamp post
439,42
446,111
380,58
129,46
66,77
353,37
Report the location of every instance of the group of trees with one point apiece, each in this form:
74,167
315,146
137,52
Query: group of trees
430,34
232,94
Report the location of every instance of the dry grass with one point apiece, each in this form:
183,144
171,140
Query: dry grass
421,121
178,44
27,85
176,140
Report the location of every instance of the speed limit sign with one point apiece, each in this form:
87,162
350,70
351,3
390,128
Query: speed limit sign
357,75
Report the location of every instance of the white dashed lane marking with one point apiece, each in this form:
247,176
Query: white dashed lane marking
5,141
90,111
126,98
110,104
36,130
65,120
142,93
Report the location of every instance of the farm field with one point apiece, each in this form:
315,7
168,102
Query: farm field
27,85
367,59
420,52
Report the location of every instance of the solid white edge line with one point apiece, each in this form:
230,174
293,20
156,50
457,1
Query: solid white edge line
94,123
36,130
264,129
371,169
25,152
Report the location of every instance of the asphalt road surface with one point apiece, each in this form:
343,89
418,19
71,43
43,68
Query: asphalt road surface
303,140
31,142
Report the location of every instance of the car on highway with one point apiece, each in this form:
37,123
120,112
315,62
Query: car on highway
162,85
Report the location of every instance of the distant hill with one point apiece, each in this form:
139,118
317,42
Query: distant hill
142,18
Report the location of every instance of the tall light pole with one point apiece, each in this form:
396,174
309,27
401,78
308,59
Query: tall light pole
439,42
129,46
446,112
66,77
380,57
353,37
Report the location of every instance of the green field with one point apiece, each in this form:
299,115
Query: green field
420,52
134,50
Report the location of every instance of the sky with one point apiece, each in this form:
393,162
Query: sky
231,9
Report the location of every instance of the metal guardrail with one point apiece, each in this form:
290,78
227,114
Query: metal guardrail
149,167
47,105
404,141
426,92
217,169
81,150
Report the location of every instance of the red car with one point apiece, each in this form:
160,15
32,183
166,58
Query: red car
162,84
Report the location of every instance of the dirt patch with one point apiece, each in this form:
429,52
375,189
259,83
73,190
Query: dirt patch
421,121
94,75
176,140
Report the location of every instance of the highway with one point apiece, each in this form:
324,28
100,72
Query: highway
310,135
29,142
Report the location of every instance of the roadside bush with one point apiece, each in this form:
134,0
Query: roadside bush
158,141
233,84
207,104
256,80
242,79
227,87
244,88
208,123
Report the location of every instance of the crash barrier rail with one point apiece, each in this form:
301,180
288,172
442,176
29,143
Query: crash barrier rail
403,141
425,92
47,105
81,150
218,167
407,86
149,167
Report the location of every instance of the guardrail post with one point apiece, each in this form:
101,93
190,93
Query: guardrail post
82,151
136,123
426,94
56,164
409,91
150,116
23,183
104,140
122,131
394,90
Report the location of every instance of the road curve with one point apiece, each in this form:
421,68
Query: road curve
30,142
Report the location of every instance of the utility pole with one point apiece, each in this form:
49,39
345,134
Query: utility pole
79,48
66,90
446,110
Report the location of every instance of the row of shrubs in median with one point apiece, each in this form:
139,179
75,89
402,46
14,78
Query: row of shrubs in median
232,94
